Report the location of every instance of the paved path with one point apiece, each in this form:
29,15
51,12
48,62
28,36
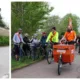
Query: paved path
44,70
4,61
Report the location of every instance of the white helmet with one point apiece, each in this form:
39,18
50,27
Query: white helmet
26,34
19,29
35,35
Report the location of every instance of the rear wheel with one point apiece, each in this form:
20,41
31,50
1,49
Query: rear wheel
28,53
59,65
41,51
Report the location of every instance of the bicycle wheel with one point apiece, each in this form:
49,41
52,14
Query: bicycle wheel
59,65
38,53
28,53
42,53
49,57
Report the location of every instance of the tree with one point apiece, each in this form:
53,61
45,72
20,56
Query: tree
2,24
51,21
65,20
61,24
28,15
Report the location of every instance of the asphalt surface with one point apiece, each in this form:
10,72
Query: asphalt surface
4,61
44,70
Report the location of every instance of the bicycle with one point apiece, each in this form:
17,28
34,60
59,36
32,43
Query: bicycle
63,54
21,52
43,50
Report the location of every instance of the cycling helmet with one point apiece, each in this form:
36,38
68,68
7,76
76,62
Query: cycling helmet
26,34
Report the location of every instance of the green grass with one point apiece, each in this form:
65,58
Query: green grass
4,40
23,62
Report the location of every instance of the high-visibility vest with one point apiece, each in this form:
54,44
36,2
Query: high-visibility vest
53,37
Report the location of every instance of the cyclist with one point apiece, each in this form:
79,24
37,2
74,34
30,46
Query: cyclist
43,42
53,37
18,39
69,36
34,45
26,46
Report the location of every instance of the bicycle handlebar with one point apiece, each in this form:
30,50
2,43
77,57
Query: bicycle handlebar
68,42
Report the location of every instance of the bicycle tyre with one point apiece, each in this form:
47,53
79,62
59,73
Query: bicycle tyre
59,65
49,57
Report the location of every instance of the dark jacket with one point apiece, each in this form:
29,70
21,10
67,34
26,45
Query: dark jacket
26,40
43,40
26,46
78,39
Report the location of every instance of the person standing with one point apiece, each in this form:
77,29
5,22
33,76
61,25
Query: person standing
18,39
34,45
26,46
43,42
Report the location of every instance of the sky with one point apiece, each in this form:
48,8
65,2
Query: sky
61,8
5,11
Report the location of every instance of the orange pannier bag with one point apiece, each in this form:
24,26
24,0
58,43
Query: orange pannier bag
67,52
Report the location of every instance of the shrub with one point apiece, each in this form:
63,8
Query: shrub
4,40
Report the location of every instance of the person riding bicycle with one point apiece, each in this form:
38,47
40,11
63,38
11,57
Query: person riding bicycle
26,46
43,42
70,34
18,39
53,37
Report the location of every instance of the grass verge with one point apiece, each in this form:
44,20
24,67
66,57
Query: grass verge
23,63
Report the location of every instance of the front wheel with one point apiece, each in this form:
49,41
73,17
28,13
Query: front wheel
59,65
49,57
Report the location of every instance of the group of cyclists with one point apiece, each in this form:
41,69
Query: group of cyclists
31,45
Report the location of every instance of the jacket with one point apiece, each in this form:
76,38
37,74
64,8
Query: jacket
55,37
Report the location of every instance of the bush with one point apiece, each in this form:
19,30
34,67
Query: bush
4,40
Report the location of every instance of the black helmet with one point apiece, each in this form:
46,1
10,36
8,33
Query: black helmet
54,28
